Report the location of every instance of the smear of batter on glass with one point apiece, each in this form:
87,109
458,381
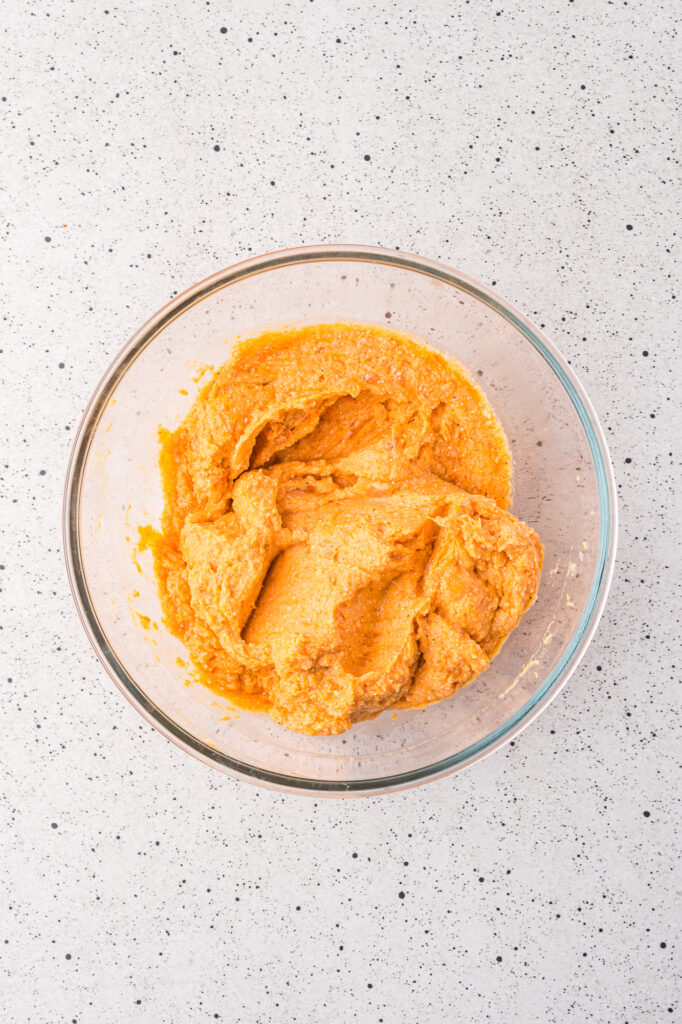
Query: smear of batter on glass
335,539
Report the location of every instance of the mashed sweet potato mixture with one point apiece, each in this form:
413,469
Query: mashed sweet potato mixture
336,539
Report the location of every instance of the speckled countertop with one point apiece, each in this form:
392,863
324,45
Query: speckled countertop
146,145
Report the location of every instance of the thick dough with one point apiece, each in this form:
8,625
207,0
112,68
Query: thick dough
335,539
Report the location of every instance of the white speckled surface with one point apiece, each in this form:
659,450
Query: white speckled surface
533,146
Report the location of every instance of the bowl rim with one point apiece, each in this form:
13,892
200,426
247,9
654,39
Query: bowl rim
608,521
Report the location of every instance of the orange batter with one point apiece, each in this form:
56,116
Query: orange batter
335,539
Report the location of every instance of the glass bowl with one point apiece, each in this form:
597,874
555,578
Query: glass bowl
563,487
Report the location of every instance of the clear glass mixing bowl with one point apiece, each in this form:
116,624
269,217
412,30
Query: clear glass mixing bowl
563,487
